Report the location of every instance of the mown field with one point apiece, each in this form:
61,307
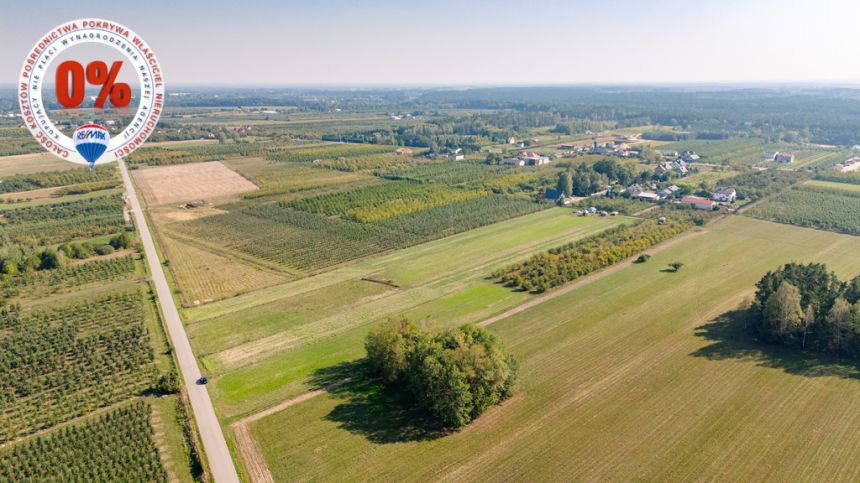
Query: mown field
290,330
639,375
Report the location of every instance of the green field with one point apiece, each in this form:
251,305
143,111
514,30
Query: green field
638,375
855,188
815,206
290,330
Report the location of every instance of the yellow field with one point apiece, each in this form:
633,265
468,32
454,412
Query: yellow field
203,276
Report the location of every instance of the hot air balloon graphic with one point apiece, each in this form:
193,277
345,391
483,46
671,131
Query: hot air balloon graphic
91,140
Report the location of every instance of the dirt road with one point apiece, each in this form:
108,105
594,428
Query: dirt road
220,462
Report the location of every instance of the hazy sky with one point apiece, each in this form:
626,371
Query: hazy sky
450,42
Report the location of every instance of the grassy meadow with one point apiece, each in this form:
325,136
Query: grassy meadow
290,330
642,374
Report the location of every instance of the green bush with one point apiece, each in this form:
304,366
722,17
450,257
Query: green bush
104,249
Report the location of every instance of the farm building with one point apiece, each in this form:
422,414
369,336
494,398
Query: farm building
699,203
724,194
634,189
456,154
784,157
646,196
852,164
512,162
669,154
403,152
512,139
532,158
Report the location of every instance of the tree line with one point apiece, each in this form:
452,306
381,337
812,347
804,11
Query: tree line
568,262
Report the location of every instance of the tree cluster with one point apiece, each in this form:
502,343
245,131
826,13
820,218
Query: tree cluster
587,179
455,375
807,307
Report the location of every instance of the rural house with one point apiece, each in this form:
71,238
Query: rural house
783,157
532,158
852,164
699,203
690,156
512,162
724,194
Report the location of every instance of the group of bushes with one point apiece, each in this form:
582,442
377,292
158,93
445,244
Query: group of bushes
17,258
455,375
807,307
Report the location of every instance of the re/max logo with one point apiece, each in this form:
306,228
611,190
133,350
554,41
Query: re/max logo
99,135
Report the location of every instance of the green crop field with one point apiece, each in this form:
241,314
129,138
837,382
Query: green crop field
300,236
289,330
815,206
638,375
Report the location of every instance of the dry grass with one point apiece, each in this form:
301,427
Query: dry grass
187,182
203,276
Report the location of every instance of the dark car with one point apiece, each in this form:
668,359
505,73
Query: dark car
202,380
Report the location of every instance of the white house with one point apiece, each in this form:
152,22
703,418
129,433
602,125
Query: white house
724,194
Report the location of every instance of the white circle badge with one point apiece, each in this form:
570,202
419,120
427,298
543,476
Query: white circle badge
83,146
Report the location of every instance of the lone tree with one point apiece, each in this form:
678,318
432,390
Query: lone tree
676,266
565,183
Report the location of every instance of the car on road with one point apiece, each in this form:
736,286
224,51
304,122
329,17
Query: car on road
203,380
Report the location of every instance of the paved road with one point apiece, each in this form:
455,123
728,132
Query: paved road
220,462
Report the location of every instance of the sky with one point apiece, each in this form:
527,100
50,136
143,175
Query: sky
466,42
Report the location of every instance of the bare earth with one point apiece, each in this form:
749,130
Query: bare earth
188,182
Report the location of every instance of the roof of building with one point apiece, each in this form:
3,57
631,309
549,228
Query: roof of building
696,199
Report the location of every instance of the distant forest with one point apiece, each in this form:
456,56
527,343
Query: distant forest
790,114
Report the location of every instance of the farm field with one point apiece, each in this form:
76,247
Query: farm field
31,163
301,237
83,349
318,320
850,187
816,206
663,362
732,151
188,182
204,276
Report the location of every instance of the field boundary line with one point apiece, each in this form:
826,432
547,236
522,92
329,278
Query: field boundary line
253,458
587,279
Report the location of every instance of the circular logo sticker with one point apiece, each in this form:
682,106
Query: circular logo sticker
77,82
